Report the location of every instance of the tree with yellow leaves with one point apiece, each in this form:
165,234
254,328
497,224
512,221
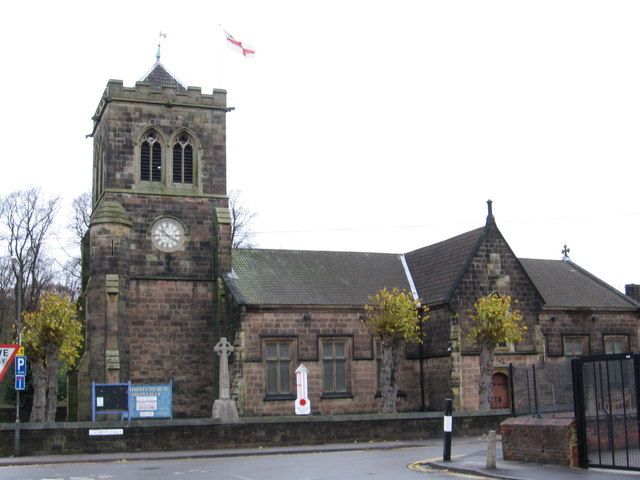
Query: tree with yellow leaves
393,316
51,334
493,323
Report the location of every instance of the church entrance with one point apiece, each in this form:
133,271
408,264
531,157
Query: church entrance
500,397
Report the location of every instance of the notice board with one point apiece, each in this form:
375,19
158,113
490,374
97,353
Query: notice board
109,398
151,401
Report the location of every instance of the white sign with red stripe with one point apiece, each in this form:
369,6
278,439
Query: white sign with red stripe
303,405
7,352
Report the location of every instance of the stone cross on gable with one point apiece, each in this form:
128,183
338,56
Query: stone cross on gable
224,349
565,253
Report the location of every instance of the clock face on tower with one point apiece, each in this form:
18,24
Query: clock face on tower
167,234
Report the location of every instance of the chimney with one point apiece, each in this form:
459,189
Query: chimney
632,290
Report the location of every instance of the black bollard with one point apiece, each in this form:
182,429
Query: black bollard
448,424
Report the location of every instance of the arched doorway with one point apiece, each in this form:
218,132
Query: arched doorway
500,398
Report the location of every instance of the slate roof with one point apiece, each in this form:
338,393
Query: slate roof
299,277
436,269
159,76
565,284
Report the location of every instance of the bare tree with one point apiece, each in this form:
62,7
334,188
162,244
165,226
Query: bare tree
241,217
80,217
79,223
26,219
7,301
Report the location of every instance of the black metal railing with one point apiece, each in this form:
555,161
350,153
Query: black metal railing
542,389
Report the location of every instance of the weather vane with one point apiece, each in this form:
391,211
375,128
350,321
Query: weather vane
162,35
565,253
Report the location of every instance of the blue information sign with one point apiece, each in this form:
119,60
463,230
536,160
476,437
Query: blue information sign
20,365
151,401
21,382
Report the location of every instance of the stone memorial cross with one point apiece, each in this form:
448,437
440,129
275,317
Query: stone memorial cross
224,349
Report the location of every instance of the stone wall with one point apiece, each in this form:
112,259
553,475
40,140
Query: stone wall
555,323
74,438
170,337
261,325
544,440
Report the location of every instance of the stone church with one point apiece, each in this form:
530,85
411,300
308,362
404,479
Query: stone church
163,284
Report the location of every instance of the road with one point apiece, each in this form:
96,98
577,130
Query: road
353,465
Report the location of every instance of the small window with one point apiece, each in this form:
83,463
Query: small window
183,160
334,361
616,344
278,358
151,159
575,346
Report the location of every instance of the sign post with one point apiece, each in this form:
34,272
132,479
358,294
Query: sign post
303,405
448,424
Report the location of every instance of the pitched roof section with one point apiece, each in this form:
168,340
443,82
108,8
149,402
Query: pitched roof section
436,269
295,277
159,76
566,285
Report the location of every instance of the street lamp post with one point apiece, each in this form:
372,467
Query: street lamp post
18,272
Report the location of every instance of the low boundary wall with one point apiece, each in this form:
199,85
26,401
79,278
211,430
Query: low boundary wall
543,440
205,434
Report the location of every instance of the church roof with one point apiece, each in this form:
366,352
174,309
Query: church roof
159,76
565,284
299,277
436,269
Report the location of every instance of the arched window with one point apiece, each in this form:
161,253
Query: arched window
183,160
151,158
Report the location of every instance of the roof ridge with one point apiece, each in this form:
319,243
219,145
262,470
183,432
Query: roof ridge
316,251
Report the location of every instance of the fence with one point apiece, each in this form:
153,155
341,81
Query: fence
543,389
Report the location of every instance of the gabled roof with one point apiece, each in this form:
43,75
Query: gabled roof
436,269
564,284
159,76
298,277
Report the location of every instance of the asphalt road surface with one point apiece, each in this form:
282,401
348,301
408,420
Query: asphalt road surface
392,464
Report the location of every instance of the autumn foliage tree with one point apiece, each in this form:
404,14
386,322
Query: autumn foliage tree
394,316
493,322
51,335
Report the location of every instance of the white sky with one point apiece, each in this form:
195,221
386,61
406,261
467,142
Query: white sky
364,125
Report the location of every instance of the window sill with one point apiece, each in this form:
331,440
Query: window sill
399,394
275,398
337,395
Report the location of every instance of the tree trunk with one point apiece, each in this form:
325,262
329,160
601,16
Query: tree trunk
391,355
39,390
52,385
485,387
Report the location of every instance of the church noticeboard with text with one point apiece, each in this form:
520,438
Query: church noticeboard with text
151,401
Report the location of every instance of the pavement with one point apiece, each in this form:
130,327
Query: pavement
468,458
474,464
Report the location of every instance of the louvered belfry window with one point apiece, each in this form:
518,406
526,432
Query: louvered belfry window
151,159
183,160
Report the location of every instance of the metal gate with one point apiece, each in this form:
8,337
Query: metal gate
606,402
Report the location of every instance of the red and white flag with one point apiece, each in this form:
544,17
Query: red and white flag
238,46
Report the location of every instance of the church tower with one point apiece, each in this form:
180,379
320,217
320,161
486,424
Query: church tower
159,239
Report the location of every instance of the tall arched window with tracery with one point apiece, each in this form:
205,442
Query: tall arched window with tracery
183,160
151,158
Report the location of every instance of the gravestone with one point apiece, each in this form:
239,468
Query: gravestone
224,408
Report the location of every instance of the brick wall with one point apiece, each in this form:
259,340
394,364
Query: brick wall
259,325
170,336
544,440
73,438
555,323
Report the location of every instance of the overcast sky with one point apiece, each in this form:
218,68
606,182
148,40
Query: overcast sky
368,126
